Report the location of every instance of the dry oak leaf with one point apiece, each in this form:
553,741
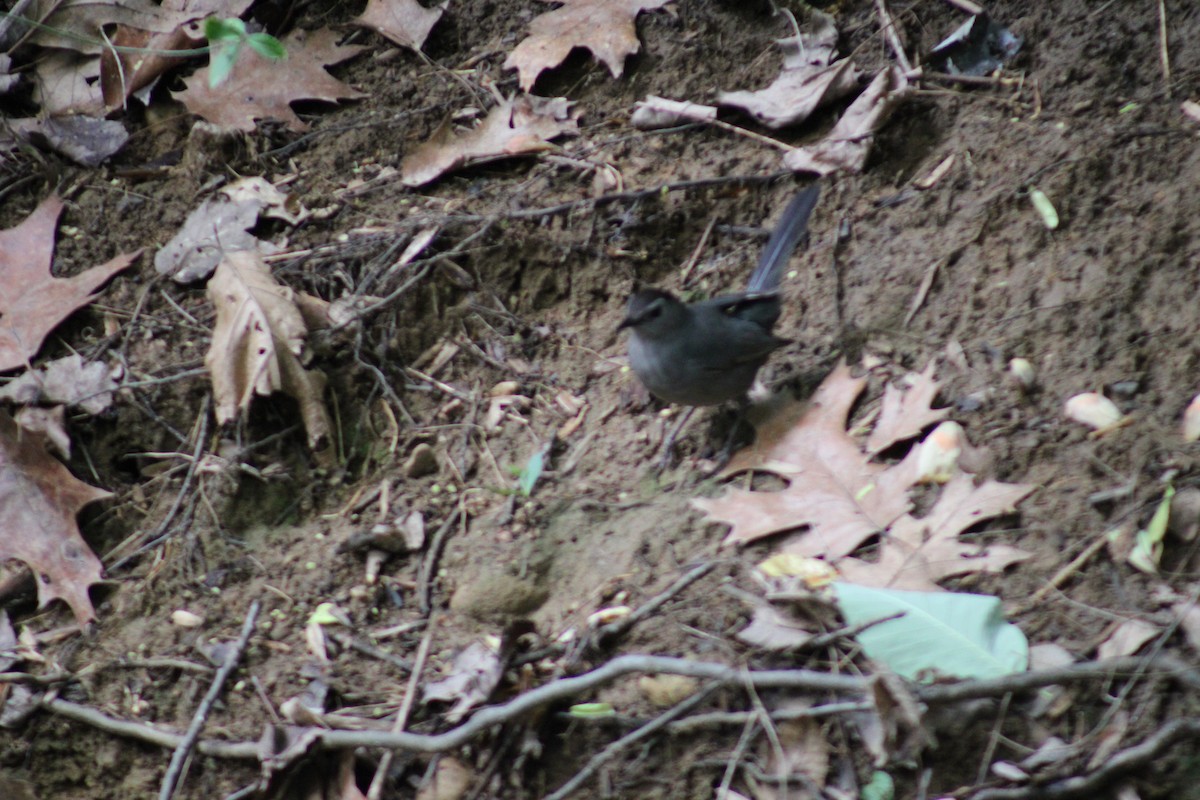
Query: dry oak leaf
39,499
519,126
32,301
405,22
605,27
915,554
260,89
906,412
844,498
257,343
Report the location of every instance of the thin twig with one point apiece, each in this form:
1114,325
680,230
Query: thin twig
893,38
429,565
184,749
613,750
410,694
1164,54
1060,577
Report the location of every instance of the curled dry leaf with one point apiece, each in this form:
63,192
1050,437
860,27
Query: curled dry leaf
257,343
1191,420
222,224
605,27
658,112
520,126
810,79
847,145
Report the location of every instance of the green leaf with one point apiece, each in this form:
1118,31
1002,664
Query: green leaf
220,30
221,61
532,471
267,46
880,787
950,633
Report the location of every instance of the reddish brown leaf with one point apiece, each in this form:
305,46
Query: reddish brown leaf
405,22
32,301
260,89
39,499
604,27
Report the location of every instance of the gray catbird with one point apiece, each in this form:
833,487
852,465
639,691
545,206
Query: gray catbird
706,353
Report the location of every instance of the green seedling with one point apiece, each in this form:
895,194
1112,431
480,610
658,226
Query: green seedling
226,40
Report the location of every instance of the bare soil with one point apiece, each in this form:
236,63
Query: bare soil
1105,302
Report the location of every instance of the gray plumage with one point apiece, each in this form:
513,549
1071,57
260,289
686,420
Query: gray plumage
706,353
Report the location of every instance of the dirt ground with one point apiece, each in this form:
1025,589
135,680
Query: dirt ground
1107,302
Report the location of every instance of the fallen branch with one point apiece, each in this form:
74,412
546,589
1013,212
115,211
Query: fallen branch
184,748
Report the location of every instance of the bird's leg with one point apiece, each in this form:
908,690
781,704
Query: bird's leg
664,452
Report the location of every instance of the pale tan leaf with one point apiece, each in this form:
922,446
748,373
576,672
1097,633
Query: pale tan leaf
605,27
405,22
1126,639
847,145
906,412
261,90
257,343
810,79
78,24
32,301
519,126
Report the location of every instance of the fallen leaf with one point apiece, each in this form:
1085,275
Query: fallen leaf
605,27
519,126
475,673
65,381
257,343
262,90
847,145
79,24
450,781
405,22
1126,639
39,500
220,225
906,412
799,749
844,498
123,73
65,82
32,301
658,112
811,78
83,139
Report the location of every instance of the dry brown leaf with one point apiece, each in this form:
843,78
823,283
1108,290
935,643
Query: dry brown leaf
475,673
605,27
69,380
847,145
810,79
1126,639
800,749
519,126
844,498
257,343
906,412
65,82
264,90
450,781
39,499
917,553
32,301
405,22
123,73
222,224
835,489
79,24
85,140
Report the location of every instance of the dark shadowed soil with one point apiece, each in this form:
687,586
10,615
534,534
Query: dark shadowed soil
1107,302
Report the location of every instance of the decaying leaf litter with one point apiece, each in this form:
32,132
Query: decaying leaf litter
494,320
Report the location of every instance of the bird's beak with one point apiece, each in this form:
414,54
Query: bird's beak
628,322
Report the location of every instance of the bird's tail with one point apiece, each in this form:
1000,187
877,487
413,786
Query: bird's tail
792,225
